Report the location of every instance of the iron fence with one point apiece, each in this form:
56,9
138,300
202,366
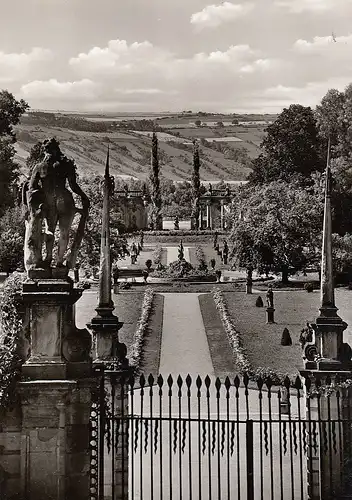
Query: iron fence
205,438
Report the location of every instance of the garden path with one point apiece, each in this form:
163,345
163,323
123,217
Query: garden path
184,345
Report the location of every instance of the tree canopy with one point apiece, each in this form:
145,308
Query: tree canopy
292,148
276,226
11,111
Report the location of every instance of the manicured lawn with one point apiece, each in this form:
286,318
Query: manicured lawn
220,351
127,308
293,309
151,350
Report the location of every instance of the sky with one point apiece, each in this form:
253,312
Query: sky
173,55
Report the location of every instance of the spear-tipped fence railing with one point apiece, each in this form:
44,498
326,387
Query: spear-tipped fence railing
181,438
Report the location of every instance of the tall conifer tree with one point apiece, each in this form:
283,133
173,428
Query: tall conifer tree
196,185
155,215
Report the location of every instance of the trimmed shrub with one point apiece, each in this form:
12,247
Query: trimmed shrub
286,337
259,302
309,287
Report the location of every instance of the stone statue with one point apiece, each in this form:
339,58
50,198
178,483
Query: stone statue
49,203
180,251
270,297
176,223
249,274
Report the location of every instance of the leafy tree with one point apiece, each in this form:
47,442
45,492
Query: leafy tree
329,116
11,111
89,253
277,226
196,185
198,123
342,253
292,148
155,213
12,240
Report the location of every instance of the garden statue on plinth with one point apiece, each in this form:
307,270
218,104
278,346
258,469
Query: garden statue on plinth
181,254
249,280
270,305
215,241
48,292
176,223
49,203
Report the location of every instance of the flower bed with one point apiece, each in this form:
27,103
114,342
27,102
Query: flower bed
138,341
232,335
181,270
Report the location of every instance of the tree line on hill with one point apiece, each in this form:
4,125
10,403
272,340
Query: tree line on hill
78,123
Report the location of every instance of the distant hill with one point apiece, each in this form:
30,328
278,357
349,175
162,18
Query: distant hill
226,149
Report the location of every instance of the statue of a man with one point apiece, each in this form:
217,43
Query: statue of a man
180,251
270,297
48,202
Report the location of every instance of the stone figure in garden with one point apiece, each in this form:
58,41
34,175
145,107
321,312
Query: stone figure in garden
181,254
48,204
215,242
176,223
270,297
225,252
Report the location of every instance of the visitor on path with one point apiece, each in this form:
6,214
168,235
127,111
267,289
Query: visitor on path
145,276
125,250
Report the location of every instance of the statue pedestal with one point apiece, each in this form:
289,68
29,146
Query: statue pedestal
56,394
58,349
270,315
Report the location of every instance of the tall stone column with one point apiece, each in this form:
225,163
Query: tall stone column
209,216
327,359
110,354
200,217
222,215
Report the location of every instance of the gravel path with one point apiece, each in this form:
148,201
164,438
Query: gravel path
184,345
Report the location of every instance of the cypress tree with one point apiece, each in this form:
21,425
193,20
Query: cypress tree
196,185
155,215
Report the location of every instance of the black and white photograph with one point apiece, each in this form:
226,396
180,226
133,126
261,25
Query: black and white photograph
176,250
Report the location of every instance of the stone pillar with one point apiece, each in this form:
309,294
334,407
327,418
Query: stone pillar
116,481
270,315
209,216
222,216
326,436
55,460
55,397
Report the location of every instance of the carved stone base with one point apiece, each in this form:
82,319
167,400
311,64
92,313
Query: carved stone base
270,315
55,341
55,457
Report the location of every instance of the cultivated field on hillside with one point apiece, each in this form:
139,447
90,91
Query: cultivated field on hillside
130,149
